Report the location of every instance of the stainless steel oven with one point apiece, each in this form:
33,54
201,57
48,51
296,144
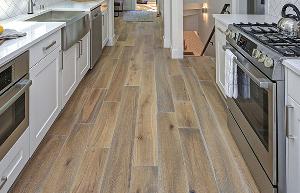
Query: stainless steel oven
14,99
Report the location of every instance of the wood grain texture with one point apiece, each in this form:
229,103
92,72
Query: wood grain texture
62,174
179,89
145,135
92,106
172,173
115,90
104,127
229,178
144,180
118,170
164,93
200,173
104,78
185,115
91,172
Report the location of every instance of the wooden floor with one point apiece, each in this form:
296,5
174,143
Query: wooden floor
140,122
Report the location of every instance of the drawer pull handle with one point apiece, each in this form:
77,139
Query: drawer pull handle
3,181
49,46
289,130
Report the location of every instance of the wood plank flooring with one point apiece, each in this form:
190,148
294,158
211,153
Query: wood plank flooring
140,122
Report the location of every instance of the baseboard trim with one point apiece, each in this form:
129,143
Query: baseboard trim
112,41
176,53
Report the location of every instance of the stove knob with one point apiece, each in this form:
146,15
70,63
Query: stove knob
269,62
227,32
232,35
256,53
262,58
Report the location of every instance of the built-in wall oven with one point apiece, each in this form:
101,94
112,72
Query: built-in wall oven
14,99
256,114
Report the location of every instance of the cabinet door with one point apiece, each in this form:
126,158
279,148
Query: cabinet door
69,72
45,97
14,161
293,145
84,62
220,58
104,28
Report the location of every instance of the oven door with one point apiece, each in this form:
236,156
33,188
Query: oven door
255,111
13,114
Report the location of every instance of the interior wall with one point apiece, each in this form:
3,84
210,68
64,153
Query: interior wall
207,22
13,8
274,6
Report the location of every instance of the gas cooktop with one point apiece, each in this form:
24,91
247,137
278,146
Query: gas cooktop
269,35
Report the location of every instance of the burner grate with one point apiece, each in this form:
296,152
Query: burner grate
270,35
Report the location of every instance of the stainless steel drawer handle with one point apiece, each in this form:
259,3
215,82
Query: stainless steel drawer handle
3,182
49,46
17,90
289,129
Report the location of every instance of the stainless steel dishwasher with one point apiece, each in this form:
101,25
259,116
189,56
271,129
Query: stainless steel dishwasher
96,35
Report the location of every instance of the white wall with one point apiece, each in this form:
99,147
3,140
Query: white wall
12,8
274,6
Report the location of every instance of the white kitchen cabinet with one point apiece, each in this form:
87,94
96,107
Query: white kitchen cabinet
84,57
292,130
220,55
105,21
14,161
71,59
293,145
45,96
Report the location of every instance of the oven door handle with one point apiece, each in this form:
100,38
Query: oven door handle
17,90
262,83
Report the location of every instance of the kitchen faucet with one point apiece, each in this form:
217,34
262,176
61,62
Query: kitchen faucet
31,4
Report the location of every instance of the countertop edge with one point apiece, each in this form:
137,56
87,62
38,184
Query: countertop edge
292,64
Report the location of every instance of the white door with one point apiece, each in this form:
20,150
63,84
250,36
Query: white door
44,100
293,146
84,61
69,72
220,58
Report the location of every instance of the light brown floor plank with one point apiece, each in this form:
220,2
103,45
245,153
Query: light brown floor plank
172,173
92,106
105,76
118,170
179,89
186,117
115,89
200,173
104,127
91,172
62,174
145,135
144,180
164,93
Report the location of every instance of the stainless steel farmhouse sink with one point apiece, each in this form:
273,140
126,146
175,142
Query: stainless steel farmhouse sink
77,25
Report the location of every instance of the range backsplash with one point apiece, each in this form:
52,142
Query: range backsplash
275,6
12,8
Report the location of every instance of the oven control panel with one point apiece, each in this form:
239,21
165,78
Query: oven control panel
5,78
251,48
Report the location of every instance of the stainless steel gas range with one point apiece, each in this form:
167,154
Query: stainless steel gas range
256,116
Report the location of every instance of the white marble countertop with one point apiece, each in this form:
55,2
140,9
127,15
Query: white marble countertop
293,64
228,19
76,5
35,33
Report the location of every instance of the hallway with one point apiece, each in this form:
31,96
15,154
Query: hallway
140,122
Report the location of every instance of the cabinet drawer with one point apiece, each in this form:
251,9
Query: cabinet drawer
292,86
220,27
14,161
44,47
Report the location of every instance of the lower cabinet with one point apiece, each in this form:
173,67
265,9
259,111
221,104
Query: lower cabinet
13,162
220,56
105,27
45,96
84,57
69,72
